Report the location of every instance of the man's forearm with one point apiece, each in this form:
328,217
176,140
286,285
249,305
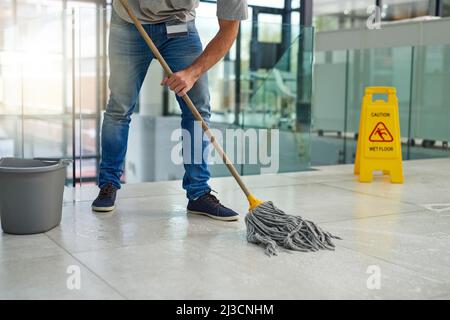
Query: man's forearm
216,48
182,81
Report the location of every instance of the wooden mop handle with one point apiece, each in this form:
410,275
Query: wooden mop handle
186,99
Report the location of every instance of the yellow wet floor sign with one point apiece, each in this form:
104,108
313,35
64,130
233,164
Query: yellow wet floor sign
379,146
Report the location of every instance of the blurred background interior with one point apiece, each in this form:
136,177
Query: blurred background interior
299,66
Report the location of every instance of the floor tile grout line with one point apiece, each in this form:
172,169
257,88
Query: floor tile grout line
397,265
425,276
21,259
373,217
282,186
71,202
109,285
175,191
340,178
445,295
368,194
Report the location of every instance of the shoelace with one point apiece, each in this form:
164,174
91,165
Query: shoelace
107,191
212,200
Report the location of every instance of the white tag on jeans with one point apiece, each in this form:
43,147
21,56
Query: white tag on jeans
176,29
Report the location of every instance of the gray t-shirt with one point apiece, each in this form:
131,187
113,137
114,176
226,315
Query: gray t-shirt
156,11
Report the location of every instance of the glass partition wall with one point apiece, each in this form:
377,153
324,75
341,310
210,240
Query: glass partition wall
420,75
281,101
36,110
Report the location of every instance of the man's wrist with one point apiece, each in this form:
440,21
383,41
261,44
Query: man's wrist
195,70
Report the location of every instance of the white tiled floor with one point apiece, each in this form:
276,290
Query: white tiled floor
150,248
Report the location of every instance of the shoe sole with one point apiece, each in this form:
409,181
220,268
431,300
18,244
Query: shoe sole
234,218
103,209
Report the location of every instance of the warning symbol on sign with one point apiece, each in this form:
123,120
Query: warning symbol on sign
381,134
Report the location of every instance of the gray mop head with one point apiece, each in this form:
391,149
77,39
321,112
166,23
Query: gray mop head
269,226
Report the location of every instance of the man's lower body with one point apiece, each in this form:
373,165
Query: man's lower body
130,58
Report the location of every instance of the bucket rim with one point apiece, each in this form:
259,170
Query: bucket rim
51,165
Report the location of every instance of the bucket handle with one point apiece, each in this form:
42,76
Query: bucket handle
61,162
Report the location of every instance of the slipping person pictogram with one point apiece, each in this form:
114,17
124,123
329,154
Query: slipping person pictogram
381,134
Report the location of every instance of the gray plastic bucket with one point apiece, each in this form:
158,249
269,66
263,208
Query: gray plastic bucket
31,194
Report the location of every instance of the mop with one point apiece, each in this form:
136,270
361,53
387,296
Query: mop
266,224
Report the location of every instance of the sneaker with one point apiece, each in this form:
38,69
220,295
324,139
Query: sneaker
208,205
105,200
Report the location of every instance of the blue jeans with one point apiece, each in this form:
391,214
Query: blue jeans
129,58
